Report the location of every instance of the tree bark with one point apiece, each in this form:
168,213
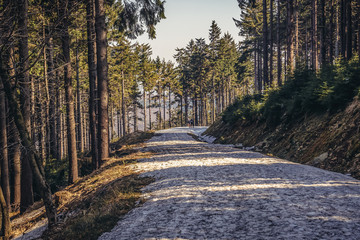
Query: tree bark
348,30
123,108
150,124
4,153
145,114
102,74
343,27
314,41
37,170
5,229
169,107
322,33
265,46
78,101
271,75
69,96
91,44
290,35
279,69
27,198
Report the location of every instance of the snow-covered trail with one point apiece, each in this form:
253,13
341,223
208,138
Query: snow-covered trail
208,191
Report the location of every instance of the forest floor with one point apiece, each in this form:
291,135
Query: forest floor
95,202
210,191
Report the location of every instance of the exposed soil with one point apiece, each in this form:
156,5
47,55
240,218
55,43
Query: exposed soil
326,141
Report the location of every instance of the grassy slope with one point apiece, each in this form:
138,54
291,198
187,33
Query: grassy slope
98,200
335,136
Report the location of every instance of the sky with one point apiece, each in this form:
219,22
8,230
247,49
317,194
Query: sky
190,19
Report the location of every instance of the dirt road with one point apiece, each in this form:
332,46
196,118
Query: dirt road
208,191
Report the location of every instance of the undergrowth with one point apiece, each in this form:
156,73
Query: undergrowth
96,202
304,93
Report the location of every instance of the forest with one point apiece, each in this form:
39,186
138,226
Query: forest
73,80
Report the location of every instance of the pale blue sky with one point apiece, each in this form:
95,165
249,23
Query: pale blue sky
190,19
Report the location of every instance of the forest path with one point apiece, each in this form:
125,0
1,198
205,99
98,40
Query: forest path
209,191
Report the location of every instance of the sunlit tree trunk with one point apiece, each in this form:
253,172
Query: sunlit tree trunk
102,74
69,95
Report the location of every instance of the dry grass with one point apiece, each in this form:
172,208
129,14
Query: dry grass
95,202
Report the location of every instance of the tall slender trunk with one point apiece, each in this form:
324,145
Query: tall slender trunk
69,96
16,161
212,99
145,115
279,69
160,117
27,198
186,102
150,125
135,115
271,75
314,41
4,153
78,101
265,46
91,44
296,35
332,31
322,33
102,73
58,120
348,30
358,19
164,107
343,27
5,229
290,35
338,27
123,108
169,107
52,97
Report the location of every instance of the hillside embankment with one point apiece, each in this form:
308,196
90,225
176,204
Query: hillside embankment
327,141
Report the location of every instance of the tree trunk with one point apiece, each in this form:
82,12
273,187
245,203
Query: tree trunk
164,106
343,27
265,46
348,30
24,79
290,36
314,42
296,35
37,170
52,95
279,69
332,31
150,125
322,33
78,101
5,230
271,76
58,120
16,160
358,21
91,44
4,156
102,74
160,117
145,117
123,108
69,96
169,107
